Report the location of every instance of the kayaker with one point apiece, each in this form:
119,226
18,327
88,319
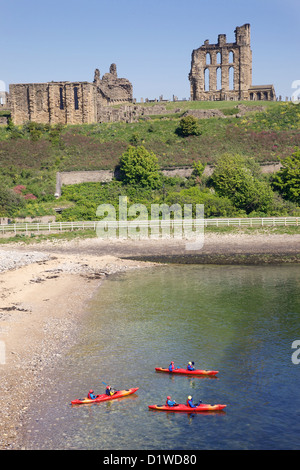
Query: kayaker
190,403
171,366
91,395
170,402
109,391
190,366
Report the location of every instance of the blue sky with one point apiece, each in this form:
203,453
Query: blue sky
150,41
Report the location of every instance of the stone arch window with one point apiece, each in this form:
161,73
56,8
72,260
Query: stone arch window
231,57
219,58
208,58
251,96
219,78
39,100
258,95
206,79
76,97
265,95
61,98
231,78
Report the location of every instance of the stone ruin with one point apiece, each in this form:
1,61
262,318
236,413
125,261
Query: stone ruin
223,71
68,102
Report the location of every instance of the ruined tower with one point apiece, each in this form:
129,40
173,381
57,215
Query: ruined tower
223,71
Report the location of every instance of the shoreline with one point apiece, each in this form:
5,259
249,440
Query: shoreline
46,289
42,305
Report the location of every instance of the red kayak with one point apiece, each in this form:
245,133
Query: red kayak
187,409
189,372
104,397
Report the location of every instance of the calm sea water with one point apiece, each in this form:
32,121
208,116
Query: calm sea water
241,321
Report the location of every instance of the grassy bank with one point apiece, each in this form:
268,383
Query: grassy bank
31,155
261,135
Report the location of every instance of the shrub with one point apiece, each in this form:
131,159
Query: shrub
236,178
287,179
188,126
138,166
214,206
10,202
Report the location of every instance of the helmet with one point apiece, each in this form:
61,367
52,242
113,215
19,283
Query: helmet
172,362
190,363
189,397
91,391
168,398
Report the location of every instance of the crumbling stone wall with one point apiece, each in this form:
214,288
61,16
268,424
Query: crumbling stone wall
54,102
67,102
223,71
111,89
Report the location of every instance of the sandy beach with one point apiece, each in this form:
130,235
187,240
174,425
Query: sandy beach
46,289
42,304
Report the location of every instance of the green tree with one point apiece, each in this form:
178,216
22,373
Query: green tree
287,180
10,202
139,166
188,126
236,177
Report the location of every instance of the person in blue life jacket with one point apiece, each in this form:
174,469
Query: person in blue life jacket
171,366
170,402
109,390
190,366
190,403
91,395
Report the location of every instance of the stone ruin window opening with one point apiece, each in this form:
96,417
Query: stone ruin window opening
219,58
231,57
208,58
231,78
206,79
61,98
76,104
219,78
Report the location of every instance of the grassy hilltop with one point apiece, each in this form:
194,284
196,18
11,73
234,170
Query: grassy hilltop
30,155
262,135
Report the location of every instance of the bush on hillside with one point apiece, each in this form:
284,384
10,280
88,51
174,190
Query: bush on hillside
10,202
138,166
287,180
236,178
188,126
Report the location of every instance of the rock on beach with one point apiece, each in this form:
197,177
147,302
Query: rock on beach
16,259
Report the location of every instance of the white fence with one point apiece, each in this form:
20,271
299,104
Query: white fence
155,225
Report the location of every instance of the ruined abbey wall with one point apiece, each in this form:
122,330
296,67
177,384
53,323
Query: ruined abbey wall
223,71
68,102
